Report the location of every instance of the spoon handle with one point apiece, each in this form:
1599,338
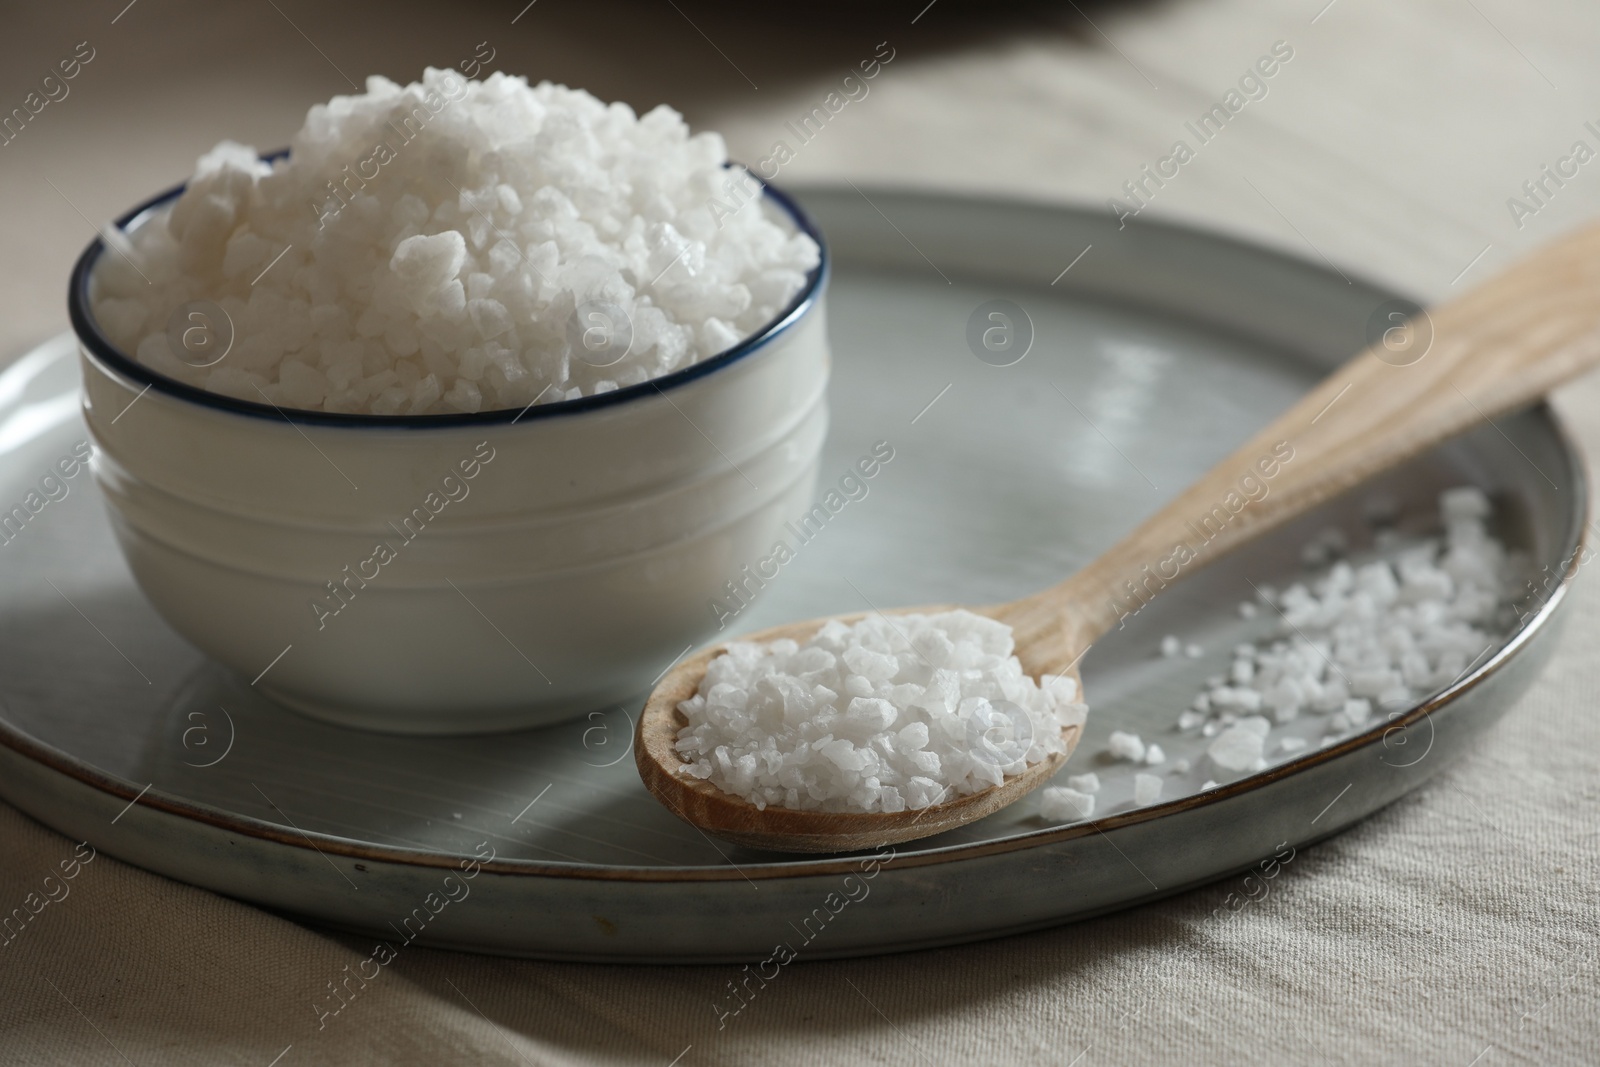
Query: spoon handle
1494,350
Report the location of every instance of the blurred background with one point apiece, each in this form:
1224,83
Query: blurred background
1389,144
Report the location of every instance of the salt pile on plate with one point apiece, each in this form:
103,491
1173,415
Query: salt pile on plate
881,716
1364,639
1358,643
446,270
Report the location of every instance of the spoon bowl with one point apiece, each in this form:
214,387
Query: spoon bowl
733,818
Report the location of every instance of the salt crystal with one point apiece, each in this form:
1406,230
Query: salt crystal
1058,804
1146,789
1171,646
1125,746
1153,755
1193,651
1464,502
1247,610
1084,783
1236,748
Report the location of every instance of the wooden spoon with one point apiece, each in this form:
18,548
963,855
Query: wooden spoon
1432,376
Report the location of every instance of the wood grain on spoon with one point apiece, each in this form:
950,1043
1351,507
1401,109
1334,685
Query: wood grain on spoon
1497,349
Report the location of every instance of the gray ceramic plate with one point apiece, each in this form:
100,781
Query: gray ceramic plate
1154,355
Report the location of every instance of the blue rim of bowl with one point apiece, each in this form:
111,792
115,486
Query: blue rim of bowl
102,351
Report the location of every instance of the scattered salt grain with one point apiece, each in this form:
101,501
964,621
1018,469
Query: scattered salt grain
1464,503
1085,783
1193,651
1209,784
1238,748
1171,646
1247,610
1125,746
501,226
1153,755
1376,632
1146,789
1291,744
1256,725
1065,805
880,716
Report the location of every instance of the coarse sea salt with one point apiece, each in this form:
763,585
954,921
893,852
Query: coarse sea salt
454,246
1126,746
1356,638
1239,747
1360,637
1084,783
1058,804
883,715
1146,789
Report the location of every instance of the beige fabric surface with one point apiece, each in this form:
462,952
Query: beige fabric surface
1458,927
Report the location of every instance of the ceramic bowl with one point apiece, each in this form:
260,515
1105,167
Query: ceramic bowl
457,573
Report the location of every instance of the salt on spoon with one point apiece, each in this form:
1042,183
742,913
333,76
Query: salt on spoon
1494,350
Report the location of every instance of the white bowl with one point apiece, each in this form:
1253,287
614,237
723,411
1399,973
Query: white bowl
566,557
